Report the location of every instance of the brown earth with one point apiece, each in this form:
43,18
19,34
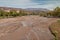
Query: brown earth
26,28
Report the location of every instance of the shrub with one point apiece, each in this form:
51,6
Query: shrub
55,29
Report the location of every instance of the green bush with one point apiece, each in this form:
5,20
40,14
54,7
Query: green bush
55,29
55,12
13,13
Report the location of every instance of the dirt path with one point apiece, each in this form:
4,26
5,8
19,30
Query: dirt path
26,28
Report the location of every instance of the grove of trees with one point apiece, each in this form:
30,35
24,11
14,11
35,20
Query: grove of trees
54,13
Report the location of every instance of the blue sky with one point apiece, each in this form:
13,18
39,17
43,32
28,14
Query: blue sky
49,4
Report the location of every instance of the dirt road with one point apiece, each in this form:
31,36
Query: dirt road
26,28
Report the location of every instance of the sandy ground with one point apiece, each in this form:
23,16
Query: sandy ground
26,28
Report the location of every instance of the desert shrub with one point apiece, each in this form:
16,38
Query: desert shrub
55,29
11,14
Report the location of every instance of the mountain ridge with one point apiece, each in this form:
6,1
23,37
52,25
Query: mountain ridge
28,9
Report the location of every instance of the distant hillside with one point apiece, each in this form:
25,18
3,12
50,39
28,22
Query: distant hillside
37,9
27,9
7,8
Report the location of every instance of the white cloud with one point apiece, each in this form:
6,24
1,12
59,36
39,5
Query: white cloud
14,2
28,4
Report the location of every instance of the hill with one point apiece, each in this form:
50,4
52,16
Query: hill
27,9
36,9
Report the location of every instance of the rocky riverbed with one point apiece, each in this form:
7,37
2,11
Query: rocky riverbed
26,28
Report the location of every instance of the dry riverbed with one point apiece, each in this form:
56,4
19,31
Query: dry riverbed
26,28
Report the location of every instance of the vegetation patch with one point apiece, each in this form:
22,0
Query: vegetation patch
55,29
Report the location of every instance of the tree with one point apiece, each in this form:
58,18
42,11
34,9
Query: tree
57,12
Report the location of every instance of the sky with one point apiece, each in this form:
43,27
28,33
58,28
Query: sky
48,4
